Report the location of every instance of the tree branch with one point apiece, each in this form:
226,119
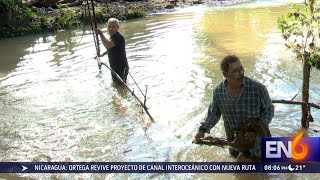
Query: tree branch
296,102
131,91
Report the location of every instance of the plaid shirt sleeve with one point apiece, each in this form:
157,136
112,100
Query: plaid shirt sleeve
212,117
267,108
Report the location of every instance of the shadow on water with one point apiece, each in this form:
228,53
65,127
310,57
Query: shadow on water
10,57
64,45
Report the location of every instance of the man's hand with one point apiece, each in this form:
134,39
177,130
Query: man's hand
97,31
198,137
103,54
250,136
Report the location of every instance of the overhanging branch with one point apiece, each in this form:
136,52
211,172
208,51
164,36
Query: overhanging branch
296,102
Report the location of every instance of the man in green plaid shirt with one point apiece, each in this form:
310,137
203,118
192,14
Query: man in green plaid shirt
237,98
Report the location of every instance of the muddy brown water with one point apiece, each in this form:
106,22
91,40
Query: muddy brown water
55,106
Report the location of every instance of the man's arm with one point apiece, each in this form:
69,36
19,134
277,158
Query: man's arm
267,108
212,117
107,44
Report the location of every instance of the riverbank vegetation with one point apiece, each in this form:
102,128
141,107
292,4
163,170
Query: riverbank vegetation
18,19
117,10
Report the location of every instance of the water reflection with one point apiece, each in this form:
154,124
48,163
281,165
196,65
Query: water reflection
11,56
121,92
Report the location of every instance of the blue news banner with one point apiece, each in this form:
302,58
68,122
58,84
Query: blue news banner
157,167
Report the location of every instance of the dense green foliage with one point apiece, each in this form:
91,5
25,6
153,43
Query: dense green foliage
121,13
300,28
17,20
66,20
135,13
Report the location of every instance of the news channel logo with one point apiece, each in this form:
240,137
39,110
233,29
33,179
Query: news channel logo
291,149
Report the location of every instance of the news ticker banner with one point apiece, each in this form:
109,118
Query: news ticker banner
157,167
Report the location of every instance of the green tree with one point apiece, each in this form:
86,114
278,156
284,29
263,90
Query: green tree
300,28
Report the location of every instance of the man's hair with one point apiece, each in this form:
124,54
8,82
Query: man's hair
226,61
113,20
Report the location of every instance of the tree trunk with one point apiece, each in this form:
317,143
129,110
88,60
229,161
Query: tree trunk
305,109
65,1
71,3
30,3
48,3
305,93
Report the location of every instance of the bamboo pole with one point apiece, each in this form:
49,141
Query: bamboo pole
95,38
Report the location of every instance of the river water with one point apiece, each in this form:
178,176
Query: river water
56,106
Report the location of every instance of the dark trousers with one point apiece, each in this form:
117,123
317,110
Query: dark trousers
123,73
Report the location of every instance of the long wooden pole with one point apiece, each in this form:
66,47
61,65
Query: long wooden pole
96,38
96,26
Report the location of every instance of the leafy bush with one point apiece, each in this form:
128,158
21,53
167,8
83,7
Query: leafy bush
16,20
115,10
66,20
300,29
135,13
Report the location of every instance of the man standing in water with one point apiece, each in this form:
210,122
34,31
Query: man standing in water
237,98
116,49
